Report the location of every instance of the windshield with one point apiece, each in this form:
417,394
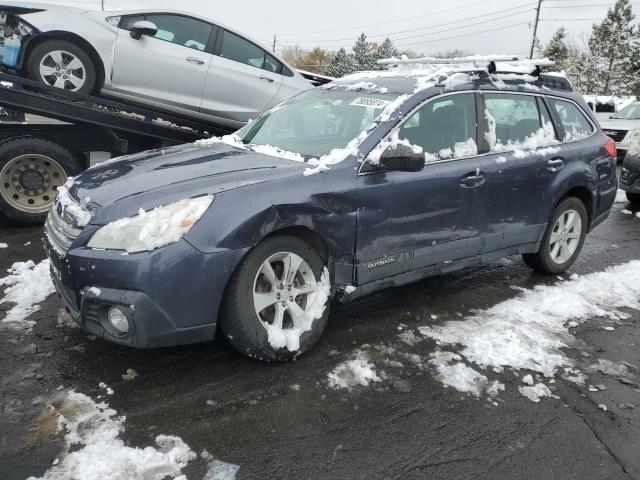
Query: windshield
317,121
631,112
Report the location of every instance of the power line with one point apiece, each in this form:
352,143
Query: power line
430,14
393,37
466,34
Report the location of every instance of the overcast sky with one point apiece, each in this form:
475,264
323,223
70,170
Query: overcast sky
424,26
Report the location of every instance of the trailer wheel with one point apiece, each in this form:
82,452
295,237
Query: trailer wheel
31,170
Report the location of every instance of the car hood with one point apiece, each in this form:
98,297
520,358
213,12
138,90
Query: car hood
117,189
619,124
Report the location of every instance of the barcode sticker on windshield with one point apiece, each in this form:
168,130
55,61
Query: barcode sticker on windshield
370,102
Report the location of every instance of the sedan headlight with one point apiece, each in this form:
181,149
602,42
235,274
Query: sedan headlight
153,229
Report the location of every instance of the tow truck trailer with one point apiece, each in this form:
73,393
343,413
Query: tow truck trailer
64,131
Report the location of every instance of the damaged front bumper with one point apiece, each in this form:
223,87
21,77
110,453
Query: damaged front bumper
170,296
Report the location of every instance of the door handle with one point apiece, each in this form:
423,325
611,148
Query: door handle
473,180
267,79
195,60
555,164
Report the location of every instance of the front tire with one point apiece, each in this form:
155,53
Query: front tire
563,240
633,198
31,170
64,65
277,302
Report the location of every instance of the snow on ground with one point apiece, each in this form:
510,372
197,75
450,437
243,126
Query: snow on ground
289,338
93,431
529,332
621,196
26,285
452,372
354,372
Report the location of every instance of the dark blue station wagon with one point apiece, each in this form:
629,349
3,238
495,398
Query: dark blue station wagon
371,182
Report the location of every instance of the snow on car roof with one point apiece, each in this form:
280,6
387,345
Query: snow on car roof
411,76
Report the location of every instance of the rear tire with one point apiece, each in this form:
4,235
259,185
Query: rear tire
563,240
256,333
64,65
31,169
633,198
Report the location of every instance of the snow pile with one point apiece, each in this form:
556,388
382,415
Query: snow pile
153,229
279,337
460,149
27,285
336,155
277,152
368,87
3,245
353,373
452,372
530,331
545,136
392,141
536,392
77,211
390,109
94,429
621,196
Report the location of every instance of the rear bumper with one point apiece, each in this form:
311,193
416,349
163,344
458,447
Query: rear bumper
170,296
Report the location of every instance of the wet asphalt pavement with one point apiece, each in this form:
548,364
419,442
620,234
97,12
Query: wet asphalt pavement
283,422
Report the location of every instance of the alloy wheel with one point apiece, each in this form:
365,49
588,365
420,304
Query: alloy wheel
29,183
62,69
565,236
284,291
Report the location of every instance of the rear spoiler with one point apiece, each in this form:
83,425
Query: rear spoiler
315,78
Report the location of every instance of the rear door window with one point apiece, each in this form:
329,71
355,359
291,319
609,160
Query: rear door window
238,49
574,121
445,128
517,121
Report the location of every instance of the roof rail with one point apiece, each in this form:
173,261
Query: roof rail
487,61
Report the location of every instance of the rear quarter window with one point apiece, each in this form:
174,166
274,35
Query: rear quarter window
574,121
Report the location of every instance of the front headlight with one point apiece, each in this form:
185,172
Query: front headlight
153,229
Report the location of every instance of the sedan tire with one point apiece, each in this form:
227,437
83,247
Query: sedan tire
276,304
563,239
64,65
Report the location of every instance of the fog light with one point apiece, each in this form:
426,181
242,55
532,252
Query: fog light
118,320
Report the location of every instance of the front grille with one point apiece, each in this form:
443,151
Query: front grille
60,230
615,134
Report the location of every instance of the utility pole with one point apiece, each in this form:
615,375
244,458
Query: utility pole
535,29
274,44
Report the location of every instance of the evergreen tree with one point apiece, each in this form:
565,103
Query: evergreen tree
386,50
611,47
342,64
557,49
363,54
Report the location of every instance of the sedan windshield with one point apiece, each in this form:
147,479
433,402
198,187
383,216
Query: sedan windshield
631,112
317,121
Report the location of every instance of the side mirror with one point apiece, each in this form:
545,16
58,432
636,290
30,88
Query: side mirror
402,158
143,27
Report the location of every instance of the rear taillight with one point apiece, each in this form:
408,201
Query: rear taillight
611,149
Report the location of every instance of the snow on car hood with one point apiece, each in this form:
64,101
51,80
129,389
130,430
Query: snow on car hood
159,177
